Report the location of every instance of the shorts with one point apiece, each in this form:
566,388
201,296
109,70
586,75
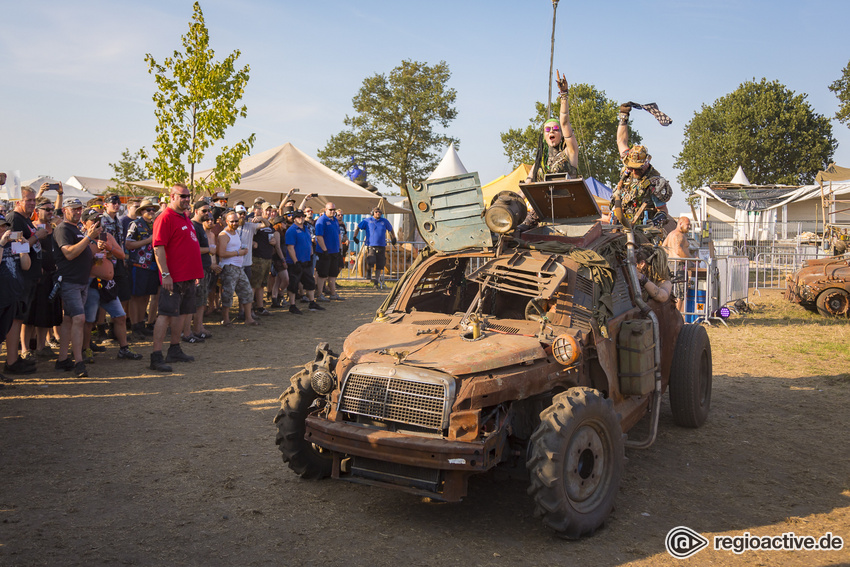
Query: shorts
24,306
233,278
179,301
328,265
143,281
7,315
376,256
44,312
113,306
74,298
248,271
260,272
122,281
300,272
202,290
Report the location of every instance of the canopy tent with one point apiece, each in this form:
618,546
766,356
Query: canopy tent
449,166
93,185
272,173
67,190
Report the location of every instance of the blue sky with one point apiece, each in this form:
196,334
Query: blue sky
77,91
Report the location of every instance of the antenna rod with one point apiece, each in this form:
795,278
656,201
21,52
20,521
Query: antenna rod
551,60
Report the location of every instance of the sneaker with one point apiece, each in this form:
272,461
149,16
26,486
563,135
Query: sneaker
304,299
377,285
336,297
28,356
294,310
263,312
80,370
176,354
20,366
45,352
97,348
157,363
88,356
66,364
192,339
204,336
52,344
323,299
315,306
127,354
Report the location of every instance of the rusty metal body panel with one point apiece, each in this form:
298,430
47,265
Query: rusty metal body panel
821,278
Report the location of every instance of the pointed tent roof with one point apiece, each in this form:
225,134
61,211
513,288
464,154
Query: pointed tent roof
94,185
740,177
68,190
449,166
272,173
509,182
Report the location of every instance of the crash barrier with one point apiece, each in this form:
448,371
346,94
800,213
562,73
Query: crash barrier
771,268
703,286
399,257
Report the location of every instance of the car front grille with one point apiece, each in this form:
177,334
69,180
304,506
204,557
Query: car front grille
398,399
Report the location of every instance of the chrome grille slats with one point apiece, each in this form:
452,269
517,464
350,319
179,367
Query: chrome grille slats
400,399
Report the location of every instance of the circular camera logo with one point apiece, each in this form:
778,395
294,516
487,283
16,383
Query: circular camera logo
683,542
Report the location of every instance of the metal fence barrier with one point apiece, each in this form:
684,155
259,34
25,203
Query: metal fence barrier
695,283
399,258
771,268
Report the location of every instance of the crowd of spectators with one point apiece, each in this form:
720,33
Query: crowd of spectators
152,265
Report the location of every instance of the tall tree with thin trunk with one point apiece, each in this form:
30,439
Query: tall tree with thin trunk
197,100
393,131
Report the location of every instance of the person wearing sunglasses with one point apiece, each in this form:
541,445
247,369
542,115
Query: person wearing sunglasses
144,274
178,255
561,147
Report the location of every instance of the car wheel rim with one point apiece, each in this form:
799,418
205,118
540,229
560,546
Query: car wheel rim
585,466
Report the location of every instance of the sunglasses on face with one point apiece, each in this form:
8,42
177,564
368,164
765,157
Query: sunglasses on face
48,209
551,128
182,195
205,210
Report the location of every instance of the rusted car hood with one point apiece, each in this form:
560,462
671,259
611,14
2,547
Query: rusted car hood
443,350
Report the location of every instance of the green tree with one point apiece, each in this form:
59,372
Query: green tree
196,101
594,120
393,131
841,88
129,168
761,126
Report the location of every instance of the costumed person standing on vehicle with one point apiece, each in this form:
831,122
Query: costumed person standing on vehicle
640,182
561,148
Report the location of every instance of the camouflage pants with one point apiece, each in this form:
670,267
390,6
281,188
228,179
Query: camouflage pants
233,278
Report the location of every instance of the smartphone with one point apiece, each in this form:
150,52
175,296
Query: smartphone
53,187
102,236
15,235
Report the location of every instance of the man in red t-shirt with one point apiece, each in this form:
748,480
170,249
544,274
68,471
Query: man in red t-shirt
178,255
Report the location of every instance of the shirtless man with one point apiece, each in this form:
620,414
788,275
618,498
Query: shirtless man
676,246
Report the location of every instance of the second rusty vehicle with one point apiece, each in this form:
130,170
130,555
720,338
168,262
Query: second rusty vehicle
822,285
498,348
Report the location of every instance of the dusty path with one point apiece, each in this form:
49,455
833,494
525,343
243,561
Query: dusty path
136,468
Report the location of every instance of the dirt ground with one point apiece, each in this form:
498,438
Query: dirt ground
130,467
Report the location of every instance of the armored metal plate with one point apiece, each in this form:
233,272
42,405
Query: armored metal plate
535,276
449,213
562,200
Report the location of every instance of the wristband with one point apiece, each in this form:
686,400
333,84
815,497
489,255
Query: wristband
166,275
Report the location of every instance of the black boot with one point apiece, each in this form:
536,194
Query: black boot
176,354
157,363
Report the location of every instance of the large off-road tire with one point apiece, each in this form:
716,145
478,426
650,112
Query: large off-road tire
576,462
303,457
690,377
833,302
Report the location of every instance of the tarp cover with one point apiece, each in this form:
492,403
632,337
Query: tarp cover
833,173
272,173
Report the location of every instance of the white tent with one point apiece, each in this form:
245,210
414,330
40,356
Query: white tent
740,177
449,166
93,185
272,173
68,190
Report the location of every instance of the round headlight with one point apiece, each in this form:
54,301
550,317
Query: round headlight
322,382
565,349
506,211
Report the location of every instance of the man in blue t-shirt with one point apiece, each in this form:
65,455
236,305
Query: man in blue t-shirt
299,252
376,228
328,249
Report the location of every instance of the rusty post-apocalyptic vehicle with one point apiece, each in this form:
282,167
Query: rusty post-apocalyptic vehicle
502,348
822,285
